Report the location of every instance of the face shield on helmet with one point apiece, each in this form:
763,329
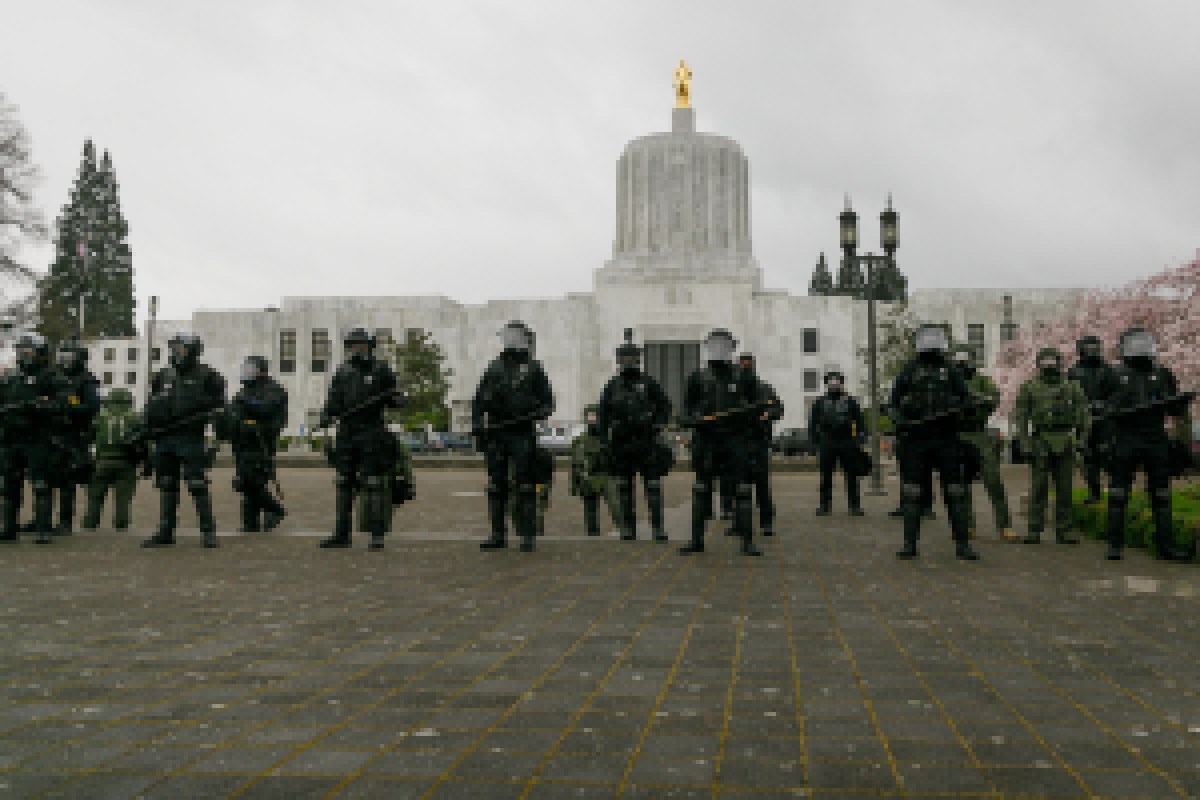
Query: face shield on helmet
249,371
1089,347
931,339
833,382
514,337
1049,363
719,347
1139,344
30,349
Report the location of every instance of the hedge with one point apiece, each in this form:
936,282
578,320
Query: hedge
1092,520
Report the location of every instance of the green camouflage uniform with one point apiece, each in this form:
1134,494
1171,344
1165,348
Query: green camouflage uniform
116,460
974,434
1051,416
590,481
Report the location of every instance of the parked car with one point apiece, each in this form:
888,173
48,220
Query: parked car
793,442
416,444
459,442
555,437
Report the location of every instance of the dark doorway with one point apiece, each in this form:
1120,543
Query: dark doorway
670,363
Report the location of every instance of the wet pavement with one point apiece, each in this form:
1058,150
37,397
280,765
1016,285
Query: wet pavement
592,667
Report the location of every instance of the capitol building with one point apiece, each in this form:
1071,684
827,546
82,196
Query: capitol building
682,264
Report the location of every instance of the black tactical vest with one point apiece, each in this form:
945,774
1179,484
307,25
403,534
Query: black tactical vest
1092,376
354,385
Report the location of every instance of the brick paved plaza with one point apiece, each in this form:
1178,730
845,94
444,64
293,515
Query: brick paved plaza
592,668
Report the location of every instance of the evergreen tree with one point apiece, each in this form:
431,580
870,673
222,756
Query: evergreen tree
20,222
850,281
822,279
92,260
422,376
890,285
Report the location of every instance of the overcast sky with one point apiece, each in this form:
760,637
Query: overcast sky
469,149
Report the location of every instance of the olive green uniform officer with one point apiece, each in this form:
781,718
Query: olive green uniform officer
1052,416
985,397
117,458
589,475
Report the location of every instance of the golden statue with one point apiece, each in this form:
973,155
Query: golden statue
683,85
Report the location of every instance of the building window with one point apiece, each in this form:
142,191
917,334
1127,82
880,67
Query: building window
322,350
107,379
155,354
132,354
110,355
976,343
811,380
810,340
287,351
131,378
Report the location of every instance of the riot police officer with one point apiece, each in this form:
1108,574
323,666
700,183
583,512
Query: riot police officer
513,395
837,428
758,443
633,408
253,421
974,435
30,398
927,396
719,404
80,399
1141,393
1056,410
1092,373
183,398
363,454
118,454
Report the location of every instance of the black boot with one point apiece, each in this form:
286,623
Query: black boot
43,512
696,545
378,507
249,515
1065,537
910,548
204,513
168,505
823,511
273,517
66,510
629,524
962,550
343,509
591,515
1164,537
8,515
525,519
1114,552
376,542
497,503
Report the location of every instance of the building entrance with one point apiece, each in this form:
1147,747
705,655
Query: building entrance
670,363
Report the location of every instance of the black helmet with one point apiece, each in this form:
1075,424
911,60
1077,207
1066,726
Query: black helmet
32,350
72,357
358,334
253,368
629,355
1089,347
185,349
516,337
1138,343
719,345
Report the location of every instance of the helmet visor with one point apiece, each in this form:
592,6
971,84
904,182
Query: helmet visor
930,340
248,371
1138,345
718,348
514,338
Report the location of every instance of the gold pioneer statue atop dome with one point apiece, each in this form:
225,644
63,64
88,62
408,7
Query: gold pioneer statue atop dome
683,86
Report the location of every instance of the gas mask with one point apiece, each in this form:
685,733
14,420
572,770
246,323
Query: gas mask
1138,348
1049,368
631,366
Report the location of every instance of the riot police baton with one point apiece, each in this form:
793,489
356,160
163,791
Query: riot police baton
360,407
1181,399
709,418
489,428
156,433
937,415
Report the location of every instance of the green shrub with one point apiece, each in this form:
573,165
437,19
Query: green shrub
1092,520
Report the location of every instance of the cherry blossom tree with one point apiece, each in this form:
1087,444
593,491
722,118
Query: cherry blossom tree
1166,304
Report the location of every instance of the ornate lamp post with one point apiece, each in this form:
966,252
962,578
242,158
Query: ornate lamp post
890,239
150,348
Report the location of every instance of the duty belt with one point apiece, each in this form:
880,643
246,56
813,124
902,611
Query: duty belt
1054,429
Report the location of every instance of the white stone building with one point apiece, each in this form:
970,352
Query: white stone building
682,264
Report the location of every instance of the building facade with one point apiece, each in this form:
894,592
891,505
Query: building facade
682,264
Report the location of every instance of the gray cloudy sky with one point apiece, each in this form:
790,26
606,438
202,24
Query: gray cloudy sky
469,149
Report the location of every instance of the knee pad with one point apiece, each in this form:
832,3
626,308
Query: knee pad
1117,496
653,485
166,483
39,486
956,491
197,486
374,483
910,491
